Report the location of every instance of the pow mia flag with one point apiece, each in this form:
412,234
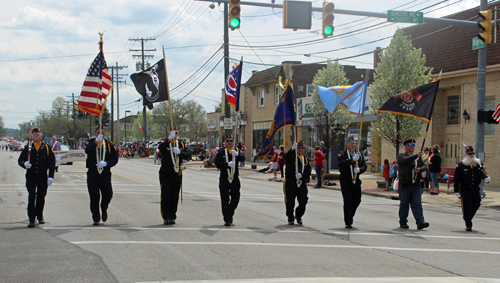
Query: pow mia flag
151,84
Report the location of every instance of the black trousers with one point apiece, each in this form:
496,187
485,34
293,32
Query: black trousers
170,187
99,185
282,169
351,193
229,197
293,192
471,201
37,190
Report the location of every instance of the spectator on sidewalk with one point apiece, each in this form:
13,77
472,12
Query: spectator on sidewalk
257,149
275,162
435,170
386,175
319,159
282,160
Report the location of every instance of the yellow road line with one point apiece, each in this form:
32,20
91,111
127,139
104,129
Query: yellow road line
133,179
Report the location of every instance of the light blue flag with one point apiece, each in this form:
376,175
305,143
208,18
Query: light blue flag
356,100
332,97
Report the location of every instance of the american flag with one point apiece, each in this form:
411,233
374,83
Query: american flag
496,115
97,78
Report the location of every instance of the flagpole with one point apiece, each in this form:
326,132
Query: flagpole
168,91
361,104
99,101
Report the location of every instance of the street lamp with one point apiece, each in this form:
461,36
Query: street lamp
128,111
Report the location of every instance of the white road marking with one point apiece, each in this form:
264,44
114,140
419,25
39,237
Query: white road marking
281,245
325,232
345,279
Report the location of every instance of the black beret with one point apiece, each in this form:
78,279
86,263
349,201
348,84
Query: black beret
300,144
409,141
229,136
35,130
97,128
469,149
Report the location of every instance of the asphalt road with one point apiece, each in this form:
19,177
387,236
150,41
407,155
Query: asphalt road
135,246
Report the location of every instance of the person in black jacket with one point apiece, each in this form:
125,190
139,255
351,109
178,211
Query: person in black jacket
351,165
41,159
295,185
466,183
410,167
435,170
101,156
173,152
227,160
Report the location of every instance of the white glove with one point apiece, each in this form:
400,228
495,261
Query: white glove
101,164
457,194
356,170
294,146
99,138
176,150
50,181
355,157
234,152
172,135
230,164
27,164
487,179
298,176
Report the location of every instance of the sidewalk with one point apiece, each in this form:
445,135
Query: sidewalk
368,187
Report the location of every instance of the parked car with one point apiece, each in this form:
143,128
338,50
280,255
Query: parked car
67,156
196,147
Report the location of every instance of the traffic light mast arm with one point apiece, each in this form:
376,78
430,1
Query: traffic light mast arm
466,24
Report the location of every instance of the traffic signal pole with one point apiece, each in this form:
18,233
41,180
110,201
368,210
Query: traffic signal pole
481,91
227,108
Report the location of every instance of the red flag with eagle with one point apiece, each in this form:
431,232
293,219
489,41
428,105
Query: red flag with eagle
142,129
233,84
96,87
417,102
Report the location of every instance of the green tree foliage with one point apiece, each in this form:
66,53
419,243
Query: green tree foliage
2,127
189,117
402,67
329,128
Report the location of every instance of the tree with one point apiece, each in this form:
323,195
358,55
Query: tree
2,127
189,117
402,67
329,128
218,107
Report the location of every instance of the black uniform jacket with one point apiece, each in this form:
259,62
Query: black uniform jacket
111,156
290,167
167,165
466,177
406,165
346,163
221,162
41,160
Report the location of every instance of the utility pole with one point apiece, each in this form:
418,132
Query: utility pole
144,133
227,108
117,81
74,121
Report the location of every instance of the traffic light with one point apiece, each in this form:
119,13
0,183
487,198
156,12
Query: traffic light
486,117
328,19
485,26
234,14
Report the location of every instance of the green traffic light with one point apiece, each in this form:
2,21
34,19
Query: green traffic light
235,22
328,30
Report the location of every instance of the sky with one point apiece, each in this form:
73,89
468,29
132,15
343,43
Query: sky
48,45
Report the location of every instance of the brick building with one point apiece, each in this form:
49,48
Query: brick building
449,49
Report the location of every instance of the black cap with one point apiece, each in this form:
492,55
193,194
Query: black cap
229,136
35,130
469,149
409,141
300,144
97,128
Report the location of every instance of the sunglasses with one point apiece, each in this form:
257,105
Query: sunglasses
411,144
229,140
471,153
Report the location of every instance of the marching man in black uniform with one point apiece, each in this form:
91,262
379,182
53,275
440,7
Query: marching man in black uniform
173,151
101,156
227,160
467,179
351,165
41,159
295,186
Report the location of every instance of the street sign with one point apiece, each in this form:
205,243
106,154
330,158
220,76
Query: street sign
150,131
228,123
405,17
477,44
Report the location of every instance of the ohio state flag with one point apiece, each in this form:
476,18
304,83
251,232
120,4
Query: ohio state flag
233,84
